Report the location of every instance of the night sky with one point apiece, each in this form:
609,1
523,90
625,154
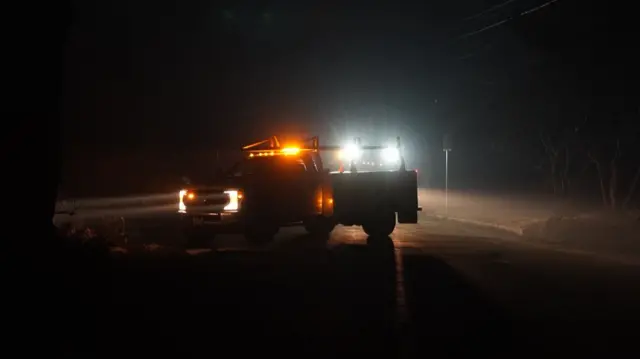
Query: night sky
157,79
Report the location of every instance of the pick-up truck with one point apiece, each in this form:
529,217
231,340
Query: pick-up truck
276,186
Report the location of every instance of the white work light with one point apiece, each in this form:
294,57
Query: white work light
350,153
390,154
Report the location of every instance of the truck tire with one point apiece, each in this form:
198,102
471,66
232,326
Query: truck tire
319,225
380,225
260,234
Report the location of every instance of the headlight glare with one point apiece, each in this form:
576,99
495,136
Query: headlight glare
234,200
391,154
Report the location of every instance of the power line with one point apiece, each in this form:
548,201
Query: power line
537,7
485,28
491,9
501,22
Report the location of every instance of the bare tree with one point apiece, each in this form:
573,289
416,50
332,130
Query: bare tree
553,157
603,190
560,154
610,175
632,189
613,175
608,166
636,178
565,179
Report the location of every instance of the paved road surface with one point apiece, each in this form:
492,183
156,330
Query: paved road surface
438,288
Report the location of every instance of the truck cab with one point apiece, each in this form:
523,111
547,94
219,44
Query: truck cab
266,190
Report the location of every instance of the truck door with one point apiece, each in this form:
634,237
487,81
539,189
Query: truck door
315,189
294,187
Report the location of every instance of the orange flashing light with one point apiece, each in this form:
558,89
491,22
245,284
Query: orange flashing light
287,151
290,150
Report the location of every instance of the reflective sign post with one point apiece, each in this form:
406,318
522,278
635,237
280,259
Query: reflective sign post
446,147
446,181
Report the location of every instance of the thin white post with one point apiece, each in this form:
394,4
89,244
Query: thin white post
446,181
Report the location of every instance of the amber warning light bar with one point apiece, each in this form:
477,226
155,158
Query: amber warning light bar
271,147
287,151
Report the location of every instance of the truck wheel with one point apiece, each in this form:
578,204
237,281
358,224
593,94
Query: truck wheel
260,235
319,226
380,225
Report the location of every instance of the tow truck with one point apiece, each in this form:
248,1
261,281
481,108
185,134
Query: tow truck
276,185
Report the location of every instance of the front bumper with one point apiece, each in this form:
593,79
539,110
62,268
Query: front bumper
218,221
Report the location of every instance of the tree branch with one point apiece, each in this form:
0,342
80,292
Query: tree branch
603,191
548,146
592,158
632,188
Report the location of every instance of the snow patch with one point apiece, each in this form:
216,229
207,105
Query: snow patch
198,251
543,220
152,247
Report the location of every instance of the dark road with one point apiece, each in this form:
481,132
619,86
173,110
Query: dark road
437,287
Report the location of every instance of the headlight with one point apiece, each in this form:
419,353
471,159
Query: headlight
234,200
181,207
390,154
